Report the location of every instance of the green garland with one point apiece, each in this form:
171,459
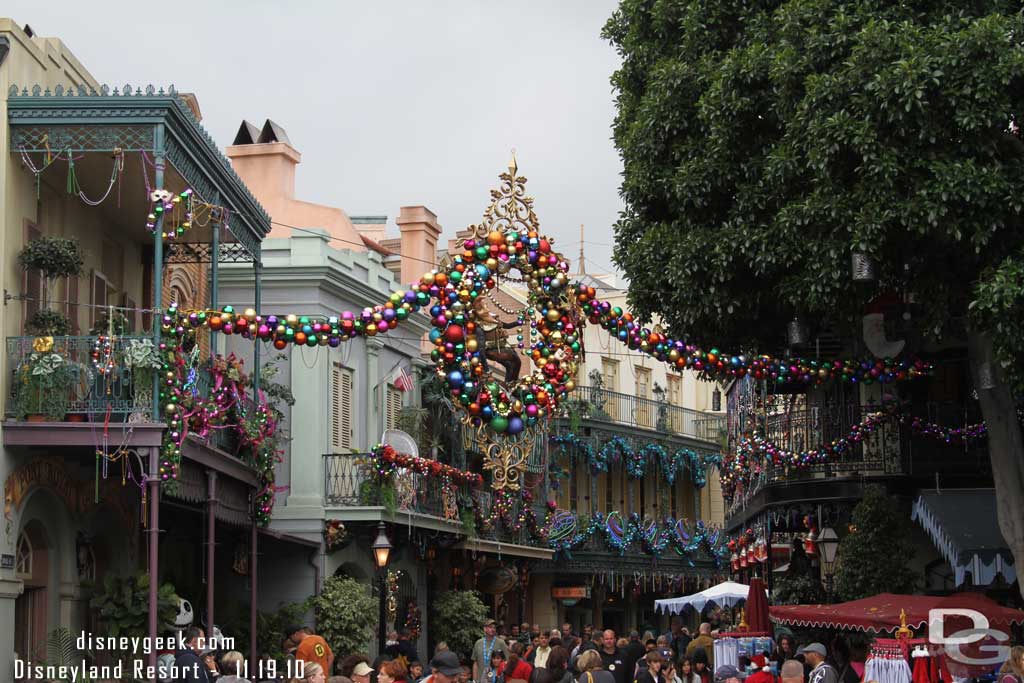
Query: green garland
639,461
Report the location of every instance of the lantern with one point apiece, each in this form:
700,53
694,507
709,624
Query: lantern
751,555
762,551
862,268
735,562
796,333
809,546
743,560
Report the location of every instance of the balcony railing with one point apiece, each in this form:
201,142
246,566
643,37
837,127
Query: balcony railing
125,393
349,482
891,449
646,413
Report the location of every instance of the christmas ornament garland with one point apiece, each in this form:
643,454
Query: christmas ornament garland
508,241
387,461
226,407
755,452
103,355
719,365
638,460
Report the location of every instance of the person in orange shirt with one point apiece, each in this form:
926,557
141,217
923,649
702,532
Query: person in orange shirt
311,647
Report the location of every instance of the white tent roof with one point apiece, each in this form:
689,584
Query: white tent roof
724,594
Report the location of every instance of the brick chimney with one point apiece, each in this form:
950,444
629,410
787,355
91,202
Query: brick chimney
420,230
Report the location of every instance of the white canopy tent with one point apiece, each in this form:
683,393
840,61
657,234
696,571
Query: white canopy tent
724,594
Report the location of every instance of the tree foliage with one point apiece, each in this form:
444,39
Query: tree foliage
345,614
764,142
458,620
873,558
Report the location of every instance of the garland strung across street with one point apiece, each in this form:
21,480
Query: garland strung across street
507,244
566,533
617,449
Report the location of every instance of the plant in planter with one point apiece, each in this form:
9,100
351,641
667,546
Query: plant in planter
142,359
345,614
43,386
122,605
47,323
54,257
110,321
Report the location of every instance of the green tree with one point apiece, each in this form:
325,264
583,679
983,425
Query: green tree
873,558
345,614
765,142
458,620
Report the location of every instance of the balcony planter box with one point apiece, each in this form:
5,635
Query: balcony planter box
43,386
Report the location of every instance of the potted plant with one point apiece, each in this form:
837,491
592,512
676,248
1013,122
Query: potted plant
43,385
54,257
141,359
111,321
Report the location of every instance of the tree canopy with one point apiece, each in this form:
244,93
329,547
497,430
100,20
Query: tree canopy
765,142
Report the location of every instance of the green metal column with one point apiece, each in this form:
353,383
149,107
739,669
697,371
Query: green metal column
158,262
214,259
258,273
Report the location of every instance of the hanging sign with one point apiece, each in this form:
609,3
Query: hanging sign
570,593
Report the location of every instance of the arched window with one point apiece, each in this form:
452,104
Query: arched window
23,557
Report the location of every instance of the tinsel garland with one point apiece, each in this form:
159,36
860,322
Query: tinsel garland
640,461
653,537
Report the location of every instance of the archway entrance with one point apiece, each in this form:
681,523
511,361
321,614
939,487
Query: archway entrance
32,565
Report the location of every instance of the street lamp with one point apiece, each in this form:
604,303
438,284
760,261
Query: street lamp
828,543
381,554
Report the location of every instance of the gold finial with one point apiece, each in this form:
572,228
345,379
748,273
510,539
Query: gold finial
513,167
743,626
903,630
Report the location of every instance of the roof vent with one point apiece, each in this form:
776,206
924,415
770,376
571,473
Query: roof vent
247,134
273,133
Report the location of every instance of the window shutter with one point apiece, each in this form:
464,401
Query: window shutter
71,307
341,409
393,408
99,295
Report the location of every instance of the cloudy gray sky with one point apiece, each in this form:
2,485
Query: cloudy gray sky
390,102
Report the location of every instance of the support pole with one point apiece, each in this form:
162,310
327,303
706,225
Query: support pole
253,566
211,540
258,274
214,281
158,264
382,636
153,534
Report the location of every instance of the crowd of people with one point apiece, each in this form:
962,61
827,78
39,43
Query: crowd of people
529,654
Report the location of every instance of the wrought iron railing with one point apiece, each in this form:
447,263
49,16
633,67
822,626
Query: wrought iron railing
349,481
125,392
646,413
891,448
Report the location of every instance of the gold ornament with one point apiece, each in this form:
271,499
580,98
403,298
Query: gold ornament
42,344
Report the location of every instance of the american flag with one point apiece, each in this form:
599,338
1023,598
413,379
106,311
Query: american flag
404,380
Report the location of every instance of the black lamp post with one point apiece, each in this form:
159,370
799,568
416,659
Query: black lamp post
828,543
381,554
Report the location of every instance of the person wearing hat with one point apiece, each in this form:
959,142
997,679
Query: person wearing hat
482,651
821,671
361,672
310,647
729,674
445,667
761,673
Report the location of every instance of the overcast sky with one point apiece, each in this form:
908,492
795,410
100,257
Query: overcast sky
390,103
